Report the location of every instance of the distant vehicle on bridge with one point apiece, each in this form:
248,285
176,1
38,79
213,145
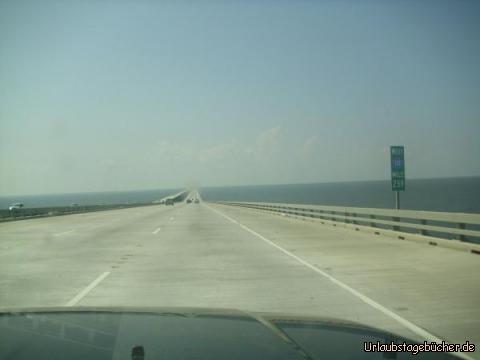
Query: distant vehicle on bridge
189,201
169,202
15,206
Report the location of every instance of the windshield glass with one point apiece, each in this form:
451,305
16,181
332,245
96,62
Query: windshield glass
312,158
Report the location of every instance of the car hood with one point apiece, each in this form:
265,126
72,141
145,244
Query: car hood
184,333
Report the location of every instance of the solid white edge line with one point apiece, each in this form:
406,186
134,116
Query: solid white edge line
409,325
89,288
156,231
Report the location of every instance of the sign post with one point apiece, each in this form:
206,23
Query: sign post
398,172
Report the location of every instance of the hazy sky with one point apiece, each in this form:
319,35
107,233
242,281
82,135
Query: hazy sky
120,95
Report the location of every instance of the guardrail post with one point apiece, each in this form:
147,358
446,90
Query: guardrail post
423,231
461,237
372,224
395,227
346,214
354,221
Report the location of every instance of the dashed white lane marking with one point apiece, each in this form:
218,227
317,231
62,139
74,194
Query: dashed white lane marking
64,233
157,230
89,288
409,325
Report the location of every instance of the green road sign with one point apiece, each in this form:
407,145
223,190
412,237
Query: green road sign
398,168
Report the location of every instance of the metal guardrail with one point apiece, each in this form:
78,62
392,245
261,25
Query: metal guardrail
29,213
463,227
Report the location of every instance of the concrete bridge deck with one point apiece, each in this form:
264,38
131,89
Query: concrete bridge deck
210,255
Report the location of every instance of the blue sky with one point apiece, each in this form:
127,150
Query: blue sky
120,95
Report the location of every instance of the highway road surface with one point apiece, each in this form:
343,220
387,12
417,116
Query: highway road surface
210,255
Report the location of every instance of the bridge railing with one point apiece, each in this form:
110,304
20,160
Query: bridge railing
459,226
28,213
176,198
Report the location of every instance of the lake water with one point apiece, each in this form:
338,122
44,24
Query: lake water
445,194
